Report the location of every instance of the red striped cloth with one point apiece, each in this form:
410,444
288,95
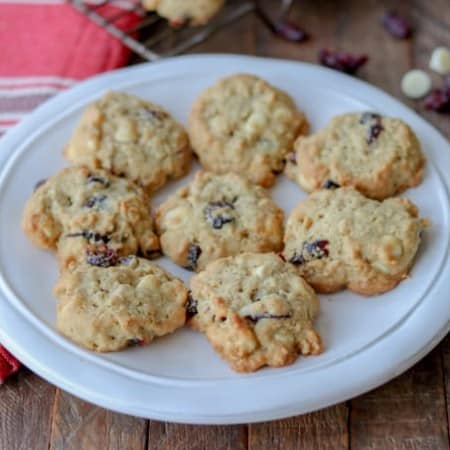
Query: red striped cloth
45,47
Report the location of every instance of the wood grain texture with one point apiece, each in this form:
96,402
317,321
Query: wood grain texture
322,430
410,413
79,425
432,21
445,351
166,436
26,403
406,414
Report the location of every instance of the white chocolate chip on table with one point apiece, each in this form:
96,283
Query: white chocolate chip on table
416,83
440,60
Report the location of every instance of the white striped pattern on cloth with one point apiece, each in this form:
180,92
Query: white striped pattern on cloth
21,82
124,4
20,95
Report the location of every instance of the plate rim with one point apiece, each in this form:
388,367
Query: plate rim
89,85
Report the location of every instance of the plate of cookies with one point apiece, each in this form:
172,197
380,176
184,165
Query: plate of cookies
223,239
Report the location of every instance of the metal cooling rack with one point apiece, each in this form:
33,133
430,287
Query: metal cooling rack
153,38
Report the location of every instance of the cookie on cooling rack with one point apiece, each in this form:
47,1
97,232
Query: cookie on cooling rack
178,12
217,216
339,238
255,310
129,302
244,125
378,155
78,212
133,138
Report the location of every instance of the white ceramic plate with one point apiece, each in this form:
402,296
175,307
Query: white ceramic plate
179,377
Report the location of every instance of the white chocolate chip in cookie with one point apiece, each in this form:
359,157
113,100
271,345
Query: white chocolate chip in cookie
176,217
149,282
259,271
216,216
137,302
355,242
252,322
126,130
391,247
244,125
384,268
132,137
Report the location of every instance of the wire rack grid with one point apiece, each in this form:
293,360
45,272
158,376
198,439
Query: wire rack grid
153,38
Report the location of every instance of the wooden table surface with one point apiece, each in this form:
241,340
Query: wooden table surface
410,412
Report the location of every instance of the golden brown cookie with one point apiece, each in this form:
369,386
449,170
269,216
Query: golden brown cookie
255,310
217,216
339,238
378,155
133,138
244,125
81,213
128,303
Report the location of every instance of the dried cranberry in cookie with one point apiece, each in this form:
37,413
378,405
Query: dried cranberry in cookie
255,310
130,137
79,213
217,216
109,307
339,238
378,155
101,256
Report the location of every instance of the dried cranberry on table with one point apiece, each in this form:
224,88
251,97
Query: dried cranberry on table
290,31
438,100
397,25
283,28
342,61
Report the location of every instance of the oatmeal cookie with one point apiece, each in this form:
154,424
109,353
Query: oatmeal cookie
255,310
78,212
130,302
217,216
244,125
339,238
133,138
378,155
